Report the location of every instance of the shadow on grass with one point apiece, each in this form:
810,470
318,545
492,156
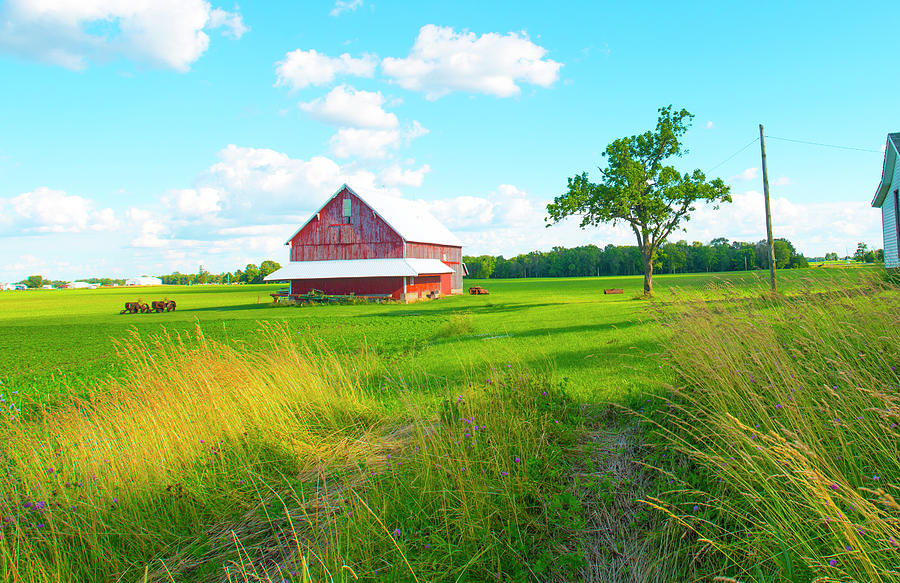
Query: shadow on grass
539,332
235,308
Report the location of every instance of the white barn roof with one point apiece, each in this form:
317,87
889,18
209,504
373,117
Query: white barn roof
358,268
409,218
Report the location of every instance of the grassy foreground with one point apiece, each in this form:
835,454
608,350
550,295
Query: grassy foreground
787,411
204,462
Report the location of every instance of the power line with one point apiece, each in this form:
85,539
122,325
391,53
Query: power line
750,143
824,145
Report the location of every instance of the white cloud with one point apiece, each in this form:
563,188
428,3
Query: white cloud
442,60
345,6
149,226
193,202
373,144
710,125
748,174
345,106
232,22
813,228
71,33
45,210
783,181
394,175
301,69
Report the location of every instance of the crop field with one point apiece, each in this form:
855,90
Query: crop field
544,432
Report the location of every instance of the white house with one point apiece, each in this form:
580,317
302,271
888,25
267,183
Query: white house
143,280
887,198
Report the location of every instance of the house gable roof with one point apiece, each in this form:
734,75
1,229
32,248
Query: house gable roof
409,219
891,149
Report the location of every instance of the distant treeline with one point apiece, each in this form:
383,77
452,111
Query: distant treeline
250,274
681,257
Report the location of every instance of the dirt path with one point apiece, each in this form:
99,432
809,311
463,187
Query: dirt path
617,542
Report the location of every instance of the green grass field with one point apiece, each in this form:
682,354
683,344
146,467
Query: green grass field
62,340
467,439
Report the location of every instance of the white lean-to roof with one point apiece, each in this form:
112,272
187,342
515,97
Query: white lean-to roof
358,268
410,218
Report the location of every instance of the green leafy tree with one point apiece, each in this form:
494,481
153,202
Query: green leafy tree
861,250
783,253
879,255
251,273
833,256
35,281
639,189
266,267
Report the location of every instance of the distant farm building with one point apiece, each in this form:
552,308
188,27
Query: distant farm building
80,285
376,246
887,198
143,280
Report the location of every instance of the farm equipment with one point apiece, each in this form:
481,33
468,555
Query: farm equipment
163,306
140,307
477,290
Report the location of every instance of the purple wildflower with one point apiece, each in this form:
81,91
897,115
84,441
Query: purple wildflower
833,562
517,459
696,508
504,473
396,532
778,406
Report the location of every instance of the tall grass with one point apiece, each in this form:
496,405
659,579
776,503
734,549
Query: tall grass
789,413
206,462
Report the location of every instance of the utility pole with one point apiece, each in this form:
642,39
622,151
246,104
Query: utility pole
762,147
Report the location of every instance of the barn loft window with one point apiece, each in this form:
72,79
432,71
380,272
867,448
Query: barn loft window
345,214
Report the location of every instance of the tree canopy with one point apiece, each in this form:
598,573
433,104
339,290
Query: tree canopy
640,189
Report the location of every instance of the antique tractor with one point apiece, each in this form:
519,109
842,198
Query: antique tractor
163,306
135,308
140,307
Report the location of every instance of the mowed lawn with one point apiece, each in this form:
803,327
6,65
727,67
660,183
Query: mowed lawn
54,341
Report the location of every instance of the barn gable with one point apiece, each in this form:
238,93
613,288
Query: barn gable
887,198
374,246
408,219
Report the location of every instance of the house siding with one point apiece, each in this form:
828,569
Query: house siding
889,221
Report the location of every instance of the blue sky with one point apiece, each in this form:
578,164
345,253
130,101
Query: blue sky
145,137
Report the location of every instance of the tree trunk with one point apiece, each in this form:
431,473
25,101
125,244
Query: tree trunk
648,275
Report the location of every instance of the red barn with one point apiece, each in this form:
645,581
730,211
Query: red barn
373,246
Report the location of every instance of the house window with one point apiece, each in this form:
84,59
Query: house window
897,218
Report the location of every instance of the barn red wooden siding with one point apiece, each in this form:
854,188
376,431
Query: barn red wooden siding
327,237
341,286
416,287
451,256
